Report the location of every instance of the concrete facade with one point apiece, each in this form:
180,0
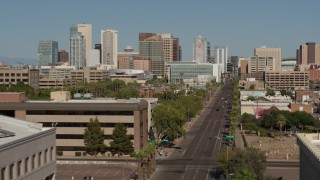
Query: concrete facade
13,76
270,52
29,153
71,118
309,156
301,107
295,80
260,64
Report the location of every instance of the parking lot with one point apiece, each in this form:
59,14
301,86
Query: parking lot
117,171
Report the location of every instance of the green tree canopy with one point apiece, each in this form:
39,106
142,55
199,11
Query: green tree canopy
248,163
121,143
93,137
169,120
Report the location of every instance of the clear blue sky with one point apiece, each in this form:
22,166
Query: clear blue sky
242,25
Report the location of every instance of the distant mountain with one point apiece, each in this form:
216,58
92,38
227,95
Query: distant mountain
10,61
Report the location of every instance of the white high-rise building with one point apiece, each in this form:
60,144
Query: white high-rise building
109,48
221,57
201,50
86,31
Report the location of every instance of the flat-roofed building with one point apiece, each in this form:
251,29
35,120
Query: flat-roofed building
127,78
56,83
270,52
90,74
309,155
260,64
27,150
71,118
294,80
13,76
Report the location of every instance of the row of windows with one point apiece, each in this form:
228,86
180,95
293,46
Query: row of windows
13,80
68,112
76,124
28,164
81,136
13,74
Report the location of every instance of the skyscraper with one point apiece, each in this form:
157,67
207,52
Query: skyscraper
150,48
221,57
308,53
170,47
86,31
77,48
47,52
109,47
270,52
201,50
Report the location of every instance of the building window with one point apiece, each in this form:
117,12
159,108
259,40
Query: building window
11,171
20,170
39,158
26,164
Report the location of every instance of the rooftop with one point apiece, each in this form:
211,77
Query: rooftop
311,141
97,100
12,129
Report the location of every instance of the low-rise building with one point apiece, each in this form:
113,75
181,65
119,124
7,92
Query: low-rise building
254,107
27,150
309,155
13,76
71,118
287,80
301,107
302,96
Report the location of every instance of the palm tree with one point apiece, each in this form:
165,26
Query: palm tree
281,121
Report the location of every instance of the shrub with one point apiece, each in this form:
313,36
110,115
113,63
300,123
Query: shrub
78,153
84,153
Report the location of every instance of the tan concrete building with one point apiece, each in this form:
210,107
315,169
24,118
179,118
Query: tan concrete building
71,118
13,76
308,53
86,31
27,150
295,80
89,74
127,78
270,52
261,64
141,64
244,66
127,57
309,156
56,83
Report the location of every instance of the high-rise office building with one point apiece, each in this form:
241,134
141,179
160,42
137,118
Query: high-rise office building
158,49
98,47
77,48
221,57
63,56
86,31
170,47
308,53
47,52
270,52
150,48
201,50
109,47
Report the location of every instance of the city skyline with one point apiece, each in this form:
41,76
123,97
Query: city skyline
239,25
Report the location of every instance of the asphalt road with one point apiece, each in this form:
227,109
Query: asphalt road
195,158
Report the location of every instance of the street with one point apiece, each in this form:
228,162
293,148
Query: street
196,158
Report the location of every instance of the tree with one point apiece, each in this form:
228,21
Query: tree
251,98
252,87
93,137
121,143
281,121
169,119
244,164
270,92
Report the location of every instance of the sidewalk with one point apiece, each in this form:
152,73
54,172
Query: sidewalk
239,142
